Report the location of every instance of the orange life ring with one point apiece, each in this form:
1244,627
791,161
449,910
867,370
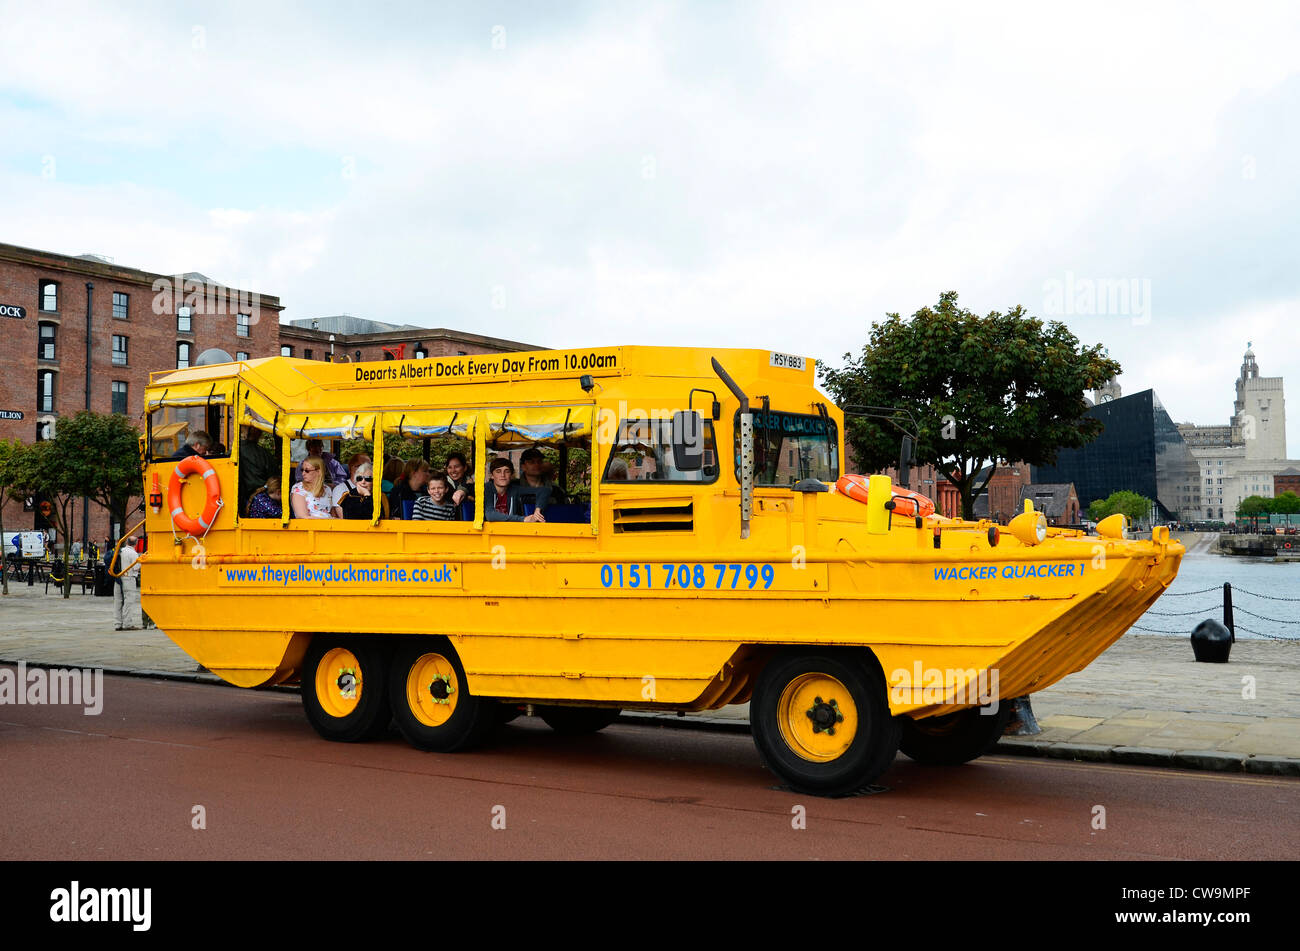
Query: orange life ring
905,502
191,465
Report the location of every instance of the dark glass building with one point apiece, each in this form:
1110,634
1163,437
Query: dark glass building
1140,450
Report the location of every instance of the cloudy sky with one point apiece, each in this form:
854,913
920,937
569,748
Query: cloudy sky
709,174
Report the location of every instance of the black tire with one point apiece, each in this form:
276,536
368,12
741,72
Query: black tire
954,738
436,717
578,721
331,713
782,736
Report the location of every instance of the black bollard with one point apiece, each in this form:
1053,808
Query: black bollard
1022,722
1211,642
1227,611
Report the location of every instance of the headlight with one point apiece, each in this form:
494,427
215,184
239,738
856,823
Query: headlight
1029,527
1113,526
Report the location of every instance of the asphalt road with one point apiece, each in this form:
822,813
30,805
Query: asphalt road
125,784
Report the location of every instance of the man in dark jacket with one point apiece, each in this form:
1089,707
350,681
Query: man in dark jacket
199,444
256,465
504,502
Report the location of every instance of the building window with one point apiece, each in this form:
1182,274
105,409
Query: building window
388,354
241,325
421,353
183,355
184,320
119,397
45,391
45,345
120,302
286,351
461,353
306,354
49,295
242,355
119,351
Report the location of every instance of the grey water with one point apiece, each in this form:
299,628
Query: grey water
1265,596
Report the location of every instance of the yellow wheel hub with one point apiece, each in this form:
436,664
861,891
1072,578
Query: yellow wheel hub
817,717
338,682
432,689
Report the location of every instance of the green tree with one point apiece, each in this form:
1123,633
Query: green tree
1131,505
38,470
100,454
1254,505
1288,503
983,390
11,451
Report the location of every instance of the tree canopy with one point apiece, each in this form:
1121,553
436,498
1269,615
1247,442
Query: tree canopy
92,454
1131,505
1285,504
100,458
982,390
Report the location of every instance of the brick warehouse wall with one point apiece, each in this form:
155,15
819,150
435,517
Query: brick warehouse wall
150,327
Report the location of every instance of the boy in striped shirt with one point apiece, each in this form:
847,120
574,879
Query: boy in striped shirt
437,505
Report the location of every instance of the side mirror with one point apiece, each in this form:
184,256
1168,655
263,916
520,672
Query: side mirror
904,459
688,441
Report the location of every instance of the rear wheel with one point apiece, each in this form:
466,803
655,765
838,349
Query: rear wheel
431,703
578,721
821,721
344,689
954,738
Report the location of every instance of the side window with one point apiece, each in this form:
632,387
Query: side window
643,452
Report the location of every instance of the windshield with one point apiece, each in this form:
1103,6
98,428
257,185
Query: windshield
789,447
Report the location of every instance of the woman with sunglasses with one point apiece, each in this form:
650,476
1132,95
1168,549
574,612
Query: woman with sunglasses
313,497
358,502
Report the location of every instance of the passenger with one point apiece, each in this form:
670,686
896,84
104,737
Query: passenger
401,501
255,464
199,444
354,461
504,502
313,497
392,472
335,471
437,505
358,502
265,502
460,478
534,486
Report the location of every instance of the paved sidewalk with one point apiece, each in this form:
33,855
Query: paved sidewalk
1144,701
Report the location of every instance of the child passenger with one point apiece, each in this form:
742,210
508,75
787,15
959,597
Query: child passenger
437,505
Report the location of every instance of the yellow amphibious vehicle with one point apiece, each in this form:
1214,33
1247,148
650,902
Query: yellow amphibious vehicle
699,554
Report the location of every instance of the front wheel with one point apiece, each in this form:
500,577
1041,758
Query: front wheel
954,738
344,692
821,721
432,704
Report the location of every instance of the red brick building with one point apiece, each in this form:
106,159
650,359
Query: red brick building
1288,480
347,339
84,333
